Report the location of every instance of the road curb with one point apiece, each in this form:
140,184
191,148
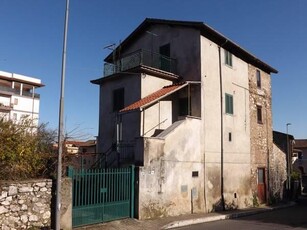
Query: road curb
182,223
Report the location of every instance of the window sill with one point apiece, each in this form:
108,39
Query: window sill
229,66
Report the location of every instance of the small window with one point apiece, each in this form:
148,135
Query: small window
259,114
229,103
228,58
229,137
15,101
195,174
118,99
258,75
14,116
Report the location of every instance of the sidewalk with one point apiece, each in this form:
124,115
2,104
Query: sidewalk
180,221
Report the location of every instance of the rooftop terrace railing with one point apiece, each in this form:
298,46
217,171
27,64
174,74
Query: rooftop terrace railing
17,92
141,57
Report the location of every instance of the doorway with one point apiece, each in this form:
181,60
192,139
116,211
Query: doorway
261,185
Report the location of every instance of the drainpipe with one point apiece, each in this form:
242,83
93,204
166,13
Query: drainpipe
222,129
268,154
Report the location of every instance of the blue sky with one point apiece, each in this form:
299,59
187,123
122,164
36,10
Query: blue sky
32,35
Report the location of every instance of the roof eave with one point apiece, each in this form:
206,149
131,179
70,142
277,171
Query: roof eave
206,31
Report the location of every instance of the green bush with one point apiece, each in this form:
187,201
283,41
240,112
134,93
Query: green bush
25,150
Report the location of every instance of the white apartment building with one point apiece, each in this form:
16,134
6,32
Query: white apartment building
18,97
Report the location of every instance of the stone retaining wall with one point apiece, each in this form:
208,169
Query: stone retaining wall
25,204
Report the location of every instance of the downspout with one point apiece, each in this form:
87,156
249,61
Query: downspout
222,129
268,153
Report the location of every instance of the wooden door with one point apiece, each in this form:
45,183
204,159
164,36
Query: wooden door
261,185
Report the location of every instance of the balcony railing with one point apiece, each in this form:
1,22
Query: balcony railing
5,107
17,92
141,57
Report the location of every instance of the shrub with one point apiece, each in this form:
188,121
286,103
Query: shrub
25,150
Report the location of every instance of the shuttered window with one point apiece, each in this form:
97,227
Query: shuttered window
229,103
228,58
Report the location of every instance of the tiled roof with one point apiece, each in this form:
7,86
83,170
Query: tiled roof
81,143
166,90
300,143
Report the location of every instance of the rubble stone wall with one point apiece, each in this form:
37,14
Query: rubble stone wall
261,132
25,204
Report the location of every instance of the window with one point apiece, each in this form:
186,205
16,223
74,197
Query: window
118,99
165,61
195,174
258,75
259,114
183,106
229,137
14,116
15,101
228,58
229,103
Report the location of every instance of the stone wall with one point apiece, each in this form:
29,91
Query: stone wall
25,204
261,132
29,204
278,173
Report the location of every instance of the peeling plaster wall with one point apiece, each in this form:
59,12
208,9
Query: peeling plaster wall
167,187
261,133
236,152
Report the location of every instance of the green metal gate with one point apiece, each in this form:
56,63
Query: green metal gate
101,195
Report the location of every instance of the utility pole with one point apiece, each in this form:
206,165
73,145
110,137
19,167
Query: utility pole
61,125
288,162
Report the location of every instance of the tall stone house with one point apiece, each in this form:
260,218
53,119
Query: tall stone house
192,110
18,97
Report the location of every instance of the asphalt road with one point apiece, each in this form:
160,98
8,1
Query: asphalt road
288,218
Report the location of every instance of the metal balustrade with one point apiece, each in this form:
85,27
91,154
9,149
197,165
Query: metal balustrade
140,57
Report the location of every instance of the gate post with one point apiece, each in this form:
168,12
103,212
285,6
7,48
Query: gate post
132,192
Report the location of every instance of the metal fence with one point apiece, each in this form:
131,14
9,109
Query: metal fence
101,195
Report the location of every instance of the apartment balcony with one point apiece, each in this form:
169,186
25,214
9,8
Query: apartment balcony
139,58
5,108
11,91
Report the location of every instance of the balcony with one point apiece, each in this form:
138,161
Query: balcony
10,91
138,58
5,108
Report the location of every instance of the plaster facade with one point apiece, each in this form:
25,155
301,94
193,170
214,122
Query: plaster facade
234,80
167,183
223,148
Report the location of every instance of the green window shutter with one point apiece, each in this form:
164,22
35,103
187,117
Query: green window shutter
228,58
229,103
